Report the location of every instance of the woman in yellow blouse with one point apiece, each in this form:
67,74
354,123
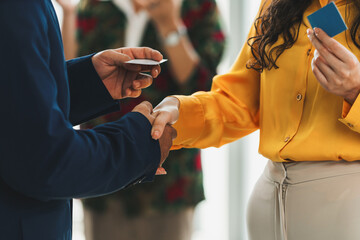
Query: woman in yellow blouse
300,88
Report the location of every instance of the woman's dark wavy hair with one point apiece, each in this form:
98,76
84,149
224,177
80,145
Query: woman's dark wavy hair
284,18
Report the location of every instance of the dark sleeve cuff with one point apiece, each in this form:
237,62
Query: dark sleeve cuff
89,97
154,151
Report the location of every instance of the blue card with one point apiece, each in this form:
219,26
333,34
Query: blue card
328,19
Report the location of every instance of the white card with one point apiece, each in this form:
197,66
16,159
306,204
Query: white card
146,62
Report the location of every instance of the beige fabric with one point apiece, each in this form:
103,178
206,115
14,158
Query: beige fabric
113,225
306,201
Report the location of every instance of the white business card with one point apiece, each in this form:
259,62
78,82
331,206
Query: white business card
146,62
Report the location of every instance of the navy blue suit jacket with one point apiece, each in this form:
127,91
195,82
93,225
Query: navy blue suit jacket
44,162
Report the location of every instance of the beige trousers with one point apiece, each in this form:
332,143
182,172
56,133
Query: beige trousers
114,225
306,201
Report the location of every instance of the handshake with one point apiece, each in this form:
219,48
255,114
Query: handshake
123,80
161,118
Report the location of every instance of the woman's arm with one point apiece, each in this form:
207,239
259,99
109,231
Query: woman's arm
68,28
190,53
166,15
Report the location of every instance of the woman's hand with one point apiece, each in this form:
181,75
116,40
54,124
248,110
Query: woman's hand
335,67
166,113
126,80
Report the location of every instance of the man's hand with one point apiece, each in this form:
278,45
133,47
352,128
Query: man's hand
146,109
165,141
126,80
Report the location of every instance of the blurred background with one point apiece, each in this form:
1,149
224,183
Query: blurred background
230,172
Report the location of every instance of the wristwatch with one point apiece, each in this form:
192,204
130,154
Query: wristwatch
173,38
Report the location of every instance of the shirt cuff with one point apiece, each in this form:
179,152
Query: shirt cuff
351,115
190,124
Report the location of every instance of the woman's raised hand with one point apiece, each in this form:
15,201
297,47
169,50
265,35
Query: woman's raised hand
335,67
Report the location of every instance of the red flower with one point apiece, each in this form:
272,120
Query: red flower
87,24
203,78
161,82
219,36
197,14
176,191
198,165
129,104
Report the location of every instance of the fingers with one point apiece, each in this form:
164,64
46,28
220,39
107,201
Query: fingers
328,44
117,58
161,120
166,112
326,54
328,57
142,81
173,133
165,143
138,5
331,59
153,70
320,62
319,76
147,4
141,53
133,93
132,88
160,171
128,79
145,108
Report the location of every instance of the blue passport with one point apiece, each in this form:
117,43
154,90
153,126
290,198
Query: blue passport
328,19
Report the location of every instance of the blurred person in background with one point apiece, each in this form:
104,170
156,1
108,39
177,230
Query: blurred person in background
189,34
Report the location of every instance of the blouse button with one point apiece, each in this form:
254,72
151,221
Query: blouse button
308,52
286,139
299,97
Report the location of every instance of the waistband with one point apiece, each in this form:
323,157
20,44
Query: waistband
298,172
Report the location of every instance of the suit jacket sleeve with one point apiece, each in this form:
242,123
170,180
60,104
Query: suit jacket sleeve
41,155
88,96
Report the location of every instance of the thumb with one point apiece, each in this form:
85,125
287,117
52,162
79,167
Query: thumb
160,122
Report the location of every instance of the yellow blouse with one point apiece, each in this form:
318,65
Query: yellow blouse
297,118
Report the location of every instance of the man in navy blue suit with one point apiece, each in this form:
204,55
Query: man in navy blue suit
44,162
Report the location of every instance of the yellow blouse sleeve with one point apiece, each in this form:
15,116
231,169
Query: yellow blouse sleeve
226,113
351,115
